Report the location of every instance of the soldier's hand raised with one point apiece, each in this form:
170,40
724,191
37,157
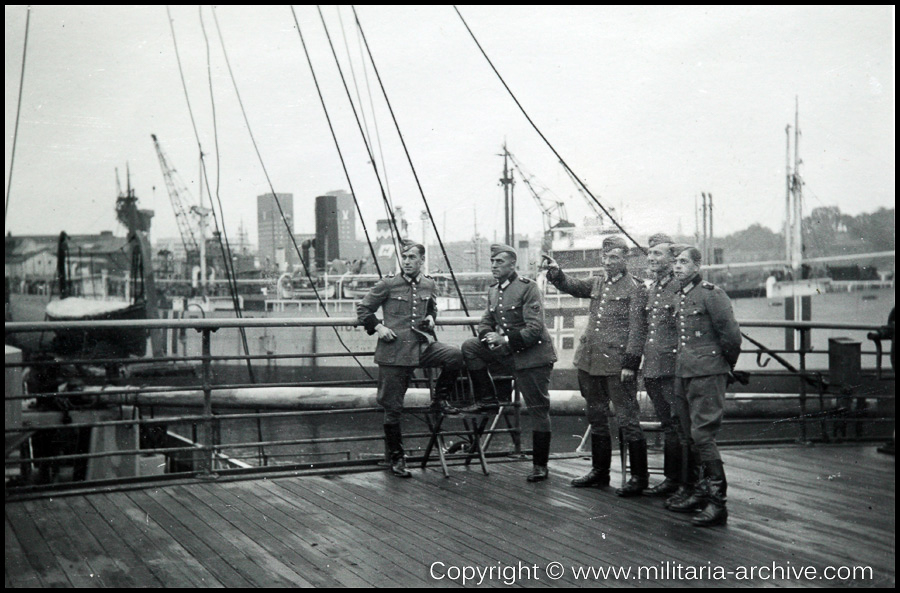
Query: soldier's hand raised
549,262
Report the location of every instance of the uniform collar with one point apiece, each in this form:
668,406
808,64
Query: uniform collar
411,279
508,281
691,283
664,281
615,278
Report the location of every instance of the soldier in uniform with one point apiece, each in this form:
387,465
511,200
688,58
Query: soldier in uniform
708,347
512,333
406,341
653,335
598,359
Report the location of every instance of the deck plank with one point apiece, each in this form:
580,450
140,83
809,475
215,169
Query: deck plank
343,543
18,573
174,564
233,548
280,539
201,546
318,531
365,525
412,519
111,571
789,506
70,561
113,545
223,518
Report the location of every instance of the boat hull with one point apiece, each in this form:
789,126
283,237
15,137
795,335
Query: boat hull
103,343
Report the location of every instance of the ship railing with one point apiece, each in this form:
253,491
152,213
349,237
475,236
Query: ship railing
203,449
202,445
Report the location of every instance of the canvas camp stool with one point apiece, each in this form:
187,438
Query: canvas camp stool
472,430
648,427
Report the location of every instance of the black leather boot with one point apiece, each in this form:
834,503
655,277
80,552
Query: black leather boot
715,512
443,390
689,476
504,390
637,453
671,470
696,500
394,442
483,390
601,455
541,445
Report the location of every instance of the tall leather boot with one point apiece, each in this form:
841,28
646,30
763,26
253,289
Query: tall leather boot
671,469
696,500
715,512
690,476
443,391
504,388
541,445
637,453
394,441
601,456
483,390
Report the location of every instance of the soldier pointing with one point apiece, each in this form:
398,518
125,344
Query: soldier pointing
598,359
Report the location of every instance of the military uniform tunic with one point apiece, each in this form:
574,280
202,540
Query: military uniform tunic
601,350
653,330
709,344
405,303
515,310
653,336
602,345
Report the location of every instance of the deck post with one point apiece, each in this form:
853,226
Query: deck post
207,434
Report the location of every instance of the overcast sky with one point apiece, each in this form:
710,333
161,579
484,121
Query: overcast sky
650,106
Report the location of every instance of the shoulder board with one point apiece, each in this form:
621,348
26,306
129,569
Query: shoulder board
427,276
391,275
707,285
525,280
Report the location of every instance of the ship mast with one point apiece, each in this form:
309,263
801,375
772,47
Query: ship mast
796,254
798,306
508,208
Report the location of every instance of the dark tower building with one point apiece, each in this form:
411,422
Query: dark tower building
336,229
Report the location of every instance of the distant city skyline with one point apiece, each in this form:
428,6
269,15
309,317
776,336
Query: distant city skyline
650,106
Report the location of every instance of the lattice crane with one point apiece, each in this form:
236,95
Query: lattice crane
553,211
178,194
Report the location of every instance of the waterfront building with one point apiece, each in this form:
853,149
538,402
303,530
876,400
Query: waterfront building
276,250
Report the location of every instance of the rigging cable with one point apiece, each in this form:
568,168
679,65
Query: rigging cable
221,232
18,111
203,171
275,196
544,138
384,197
337,145
387,185
437,234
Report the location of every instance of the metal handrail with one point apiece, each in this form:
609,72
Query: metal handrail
245,322
210,423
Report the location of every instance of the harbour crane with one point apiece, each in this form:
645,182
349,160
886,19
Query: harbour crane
178,194
553,211
593,205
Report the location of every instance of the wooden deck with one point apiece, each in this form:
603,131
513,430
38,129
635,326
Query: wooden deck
790,508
